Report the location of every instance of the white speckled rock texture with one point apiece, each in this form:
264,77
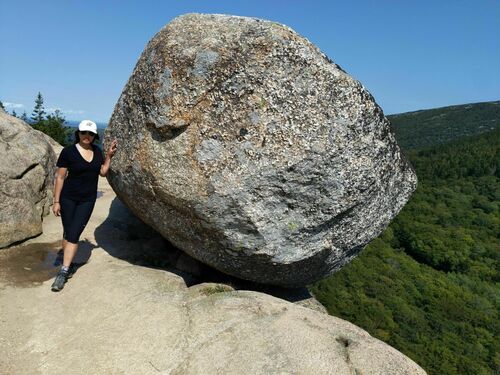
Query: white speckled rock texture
27,166
253,152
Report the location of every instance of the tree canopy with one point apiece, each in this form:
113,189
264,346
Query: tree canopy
428,285
53,124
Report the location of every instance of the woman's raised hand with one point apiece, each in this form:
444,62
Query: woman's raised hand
112,148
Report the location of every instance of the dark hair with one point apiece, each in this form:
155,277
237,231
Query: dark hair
77,137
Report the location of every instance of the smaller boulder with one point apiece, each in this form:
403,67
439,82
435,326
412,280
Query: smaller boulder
26,179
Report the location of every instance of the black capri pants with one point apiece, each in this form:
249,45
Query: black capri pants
75,215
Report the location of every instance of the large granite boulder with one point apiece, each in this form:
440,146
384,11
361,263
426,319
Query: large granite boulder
253,152
26,179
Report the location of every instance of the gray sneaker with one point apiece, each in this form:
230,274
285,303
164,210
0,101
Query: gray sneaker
61,278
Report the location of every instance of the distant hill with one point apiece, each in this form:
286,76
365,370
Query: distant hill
440,125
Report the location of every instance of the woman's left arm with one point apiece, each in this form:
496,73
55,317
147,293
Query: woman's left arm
107,161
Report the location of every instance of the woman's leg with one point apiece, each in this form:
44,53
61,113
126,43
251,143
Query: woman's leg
68,209
69,253
72,232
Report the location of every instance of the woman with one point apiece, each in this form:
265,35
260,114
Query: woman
75,195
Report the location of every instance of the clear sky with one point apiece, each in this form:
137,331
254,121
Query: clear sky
410,55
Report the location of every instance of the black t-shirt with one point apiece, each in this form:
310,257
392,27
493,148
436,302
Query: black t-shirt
81,182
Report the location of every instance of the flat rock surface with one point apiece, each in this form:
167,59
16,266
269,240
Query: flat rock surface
117,317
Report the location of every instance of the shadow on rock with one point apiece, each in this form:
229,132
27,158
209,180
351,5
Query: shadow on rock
126,237
81,258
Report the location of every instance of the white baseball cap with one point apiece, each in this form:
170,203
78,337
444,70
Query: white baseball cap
87,125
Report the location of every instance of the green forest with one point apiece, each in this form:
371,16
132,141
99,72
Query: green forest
440,125
429,285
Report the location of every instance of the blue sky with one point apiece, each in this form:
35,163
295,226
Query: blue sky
410,55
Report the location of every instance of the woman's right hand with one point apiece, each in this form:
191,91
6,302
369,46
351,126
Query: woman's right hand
56,209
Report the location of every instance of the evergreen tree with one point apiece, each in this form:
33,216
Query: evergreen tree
54,127
38,114
24,117
14,113
1,105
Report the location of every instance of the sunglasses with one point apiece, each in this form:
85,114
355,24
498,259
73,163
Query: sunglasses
85,132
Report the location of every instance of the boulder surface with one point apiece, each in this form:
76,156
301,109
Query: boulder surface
249,149
26,179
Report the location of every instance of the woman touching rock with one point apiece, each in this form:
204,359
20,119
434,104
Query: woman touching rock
75,190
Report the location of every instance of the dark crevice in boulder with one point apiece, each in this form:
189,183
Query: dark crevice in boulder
166,133
344,342
325,226
20,176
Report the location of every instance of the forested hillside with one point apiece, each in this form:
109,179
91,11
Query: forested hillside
440,125
429,285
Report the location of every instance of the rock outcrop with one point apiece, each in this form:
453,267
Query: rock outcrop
149,321
26,179
253,152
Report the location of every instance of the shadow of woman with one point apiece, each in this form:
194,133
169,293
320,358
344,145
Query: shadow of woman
81,258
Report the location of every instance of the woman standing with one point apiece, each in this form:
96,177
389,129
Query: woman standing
75,190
